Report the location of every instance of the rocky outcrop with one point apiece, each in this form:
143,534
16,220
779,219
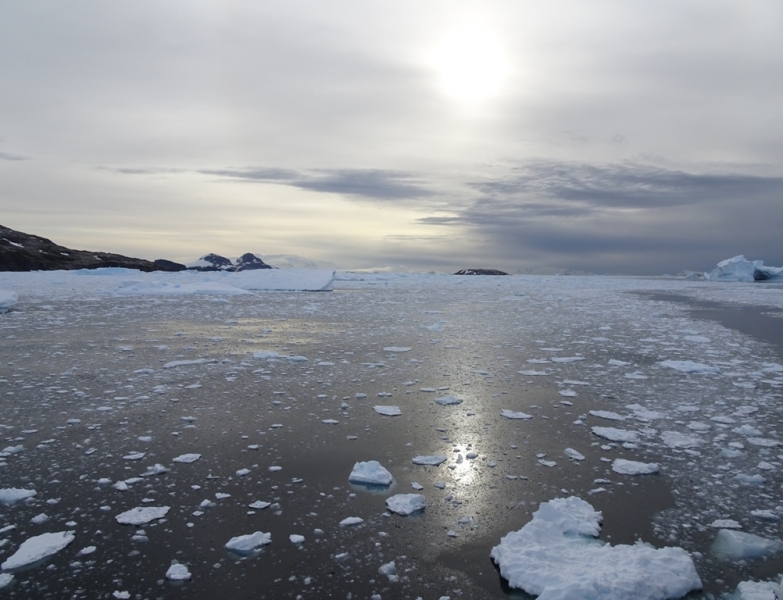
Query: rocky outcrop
215,262
480,272
25,252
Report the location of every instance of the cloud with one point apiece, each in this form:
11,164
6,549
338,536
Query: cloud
622,218
14,157
375,184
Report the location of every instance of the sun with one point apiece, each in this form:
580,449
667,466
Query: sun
471,65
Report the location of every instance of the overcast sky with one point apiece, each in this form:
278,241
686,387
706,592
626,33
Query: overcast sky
605,136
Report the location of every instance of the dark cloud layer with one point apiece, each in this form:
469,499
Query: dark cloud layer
624,218
376,184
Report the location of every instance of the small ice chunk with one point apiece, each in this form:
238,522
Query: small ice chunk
134,456
573,454
405,504
675,439
510,414
568,393
186,458
396,349
388,411
243,472
156,469
247,544
178,572
142,515
390,570
632,467
448,400
348,522
5,580
259,505
37,548
433,461
370,473
296,539
734,545
417,486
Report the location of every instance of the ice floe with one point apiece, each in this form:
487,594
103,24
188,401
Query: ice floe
37,548
433,461
142,515
178,572
510,414
632,467
11,495
730,544
248,544
688,366
616,435
388,410
556,556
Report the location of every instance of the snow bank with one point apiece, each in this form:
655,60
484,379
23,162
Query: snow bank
556,557
37,548
370,473
739,268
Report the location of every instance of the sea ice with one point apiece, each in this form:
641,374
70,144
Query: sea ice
573,454
616,435
370,473
725,524
632,467
675,439
142,515
733,545
556,557
510,414
296,539
349,521
7,300
5,580
433,461
247,544
607,414
405,504
688,366
388,411
11,495
37,548
396,349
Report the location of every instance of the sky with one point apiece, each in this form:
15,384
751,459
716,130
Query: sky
531,136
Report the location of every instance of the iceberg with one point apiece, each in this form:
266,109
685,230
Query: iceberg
556,557
738,268
730,544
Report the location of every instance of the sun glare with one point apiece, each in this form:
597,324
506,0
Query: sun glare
471,65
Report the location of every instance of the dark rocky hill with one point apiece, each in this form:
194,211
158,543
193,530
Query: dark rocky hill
480,272
25,252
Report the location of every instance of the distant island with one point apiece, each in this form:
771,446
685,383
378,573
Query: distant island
480,272
26,252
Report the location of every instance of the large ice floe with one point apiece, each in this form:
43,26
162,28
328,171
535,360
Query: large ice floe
370,472
739,268
556,556
37,548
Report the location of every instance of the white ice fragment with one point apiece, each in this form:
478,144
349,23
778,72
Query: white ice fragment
5,580
87,550
405,504
573,454
688,366
616,435
11,495
763,442
388,411
566,359
37,548
370,473
632,467
243,472
247,544
296,539
178,572
186,458
448,400
746,479
417,486
348,522
142,515
134,456
429,460
555,556
396,349
568,393
734,545
510,414
260,505
330,422
182,363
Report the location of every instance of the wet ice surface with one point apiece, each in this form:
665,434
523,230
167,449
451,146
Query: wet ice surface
275,395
